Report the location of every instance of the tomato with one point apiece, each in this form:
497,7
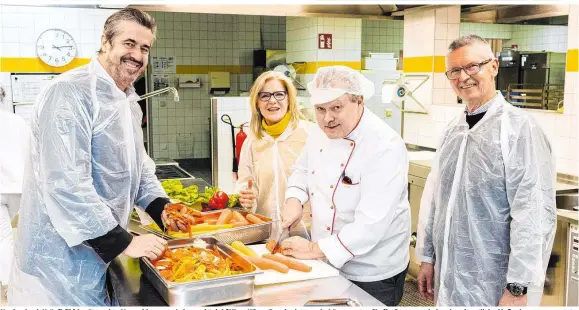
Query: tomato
219,201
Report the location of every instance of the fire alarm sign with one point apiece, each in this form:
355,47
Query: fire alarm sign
325,41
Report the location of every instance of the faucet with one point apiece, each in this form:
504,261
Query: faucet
161,91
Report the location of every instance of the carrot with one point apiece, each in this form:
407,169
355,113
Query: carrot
270,245
267,264
210,216
225,217
254,219
165,273
195,212
174,206
211,221
290,262
239,218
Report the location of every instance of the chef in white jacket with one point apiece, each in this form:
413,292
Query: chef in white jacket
353,170
14,138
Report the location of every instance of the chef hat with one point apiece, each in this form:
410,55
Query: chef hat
334,81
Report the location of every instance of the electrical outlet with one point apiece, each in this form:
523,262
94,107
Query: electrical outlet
164,146
388,113
163,104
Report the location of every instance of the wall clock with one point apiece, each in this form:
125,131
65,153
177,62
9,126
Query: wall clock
56,47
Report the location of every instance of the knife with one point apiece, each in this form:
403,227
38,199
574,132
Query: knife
333,302
283,234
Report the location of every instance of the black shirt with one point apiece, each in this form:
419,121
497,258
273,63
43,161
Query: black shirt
113,243
473,119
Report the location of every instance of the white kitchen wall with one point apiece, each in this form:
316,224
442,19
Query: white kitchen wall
382,36
539,38
487,31
20,27
527,37
203,43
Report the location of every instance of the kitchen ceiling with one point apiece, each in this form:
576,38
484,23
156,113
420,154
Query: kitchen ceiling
499,14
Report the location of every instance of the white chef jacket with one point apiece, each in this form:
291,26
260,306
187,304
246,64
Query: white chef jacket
363,228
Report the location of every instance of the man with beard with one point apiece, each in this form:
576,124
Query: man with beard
86,169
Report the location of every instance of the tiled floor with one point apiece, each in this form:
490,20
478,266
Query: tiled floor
411,298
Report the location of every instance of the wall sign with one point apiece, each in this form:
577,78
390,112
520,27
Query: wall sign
325,41
164,64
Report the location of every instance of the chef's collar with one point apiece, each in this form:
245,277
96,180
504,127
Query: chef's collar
483,108
356,133
101,72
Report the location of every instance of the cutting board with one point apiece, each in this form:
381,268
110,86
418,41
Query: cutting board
319,270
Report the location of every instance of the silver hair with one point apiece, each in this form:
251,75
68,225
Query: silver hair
128,14
466,40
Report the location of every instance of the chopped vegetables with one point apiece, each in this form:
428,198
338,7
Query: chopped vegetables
194,263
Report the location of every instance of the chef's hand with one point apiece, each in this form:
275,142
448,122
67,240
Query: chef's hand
508,300
291,212
246,199
149,245
426,281
301,248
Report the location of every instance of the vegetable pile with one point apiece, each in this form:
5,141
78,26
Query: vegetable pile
195,263
182,221
211,199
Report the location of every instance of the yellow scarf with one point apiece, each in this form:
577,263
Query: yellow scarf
276,130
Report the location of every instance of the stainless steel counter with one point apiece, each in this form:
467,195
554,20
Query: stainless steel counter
131,288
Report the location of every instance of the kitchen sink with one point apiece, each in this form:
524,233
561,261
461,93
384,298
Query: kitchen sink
567,201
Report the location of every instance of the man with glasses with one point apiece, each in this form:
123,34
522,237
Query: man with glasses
353,170
488,208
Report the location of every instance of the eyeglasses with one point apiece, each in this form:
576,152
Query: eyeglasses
471,69
278,95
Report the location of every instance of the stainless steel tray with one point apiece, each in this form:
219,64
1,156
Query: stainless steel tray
246,234
203,292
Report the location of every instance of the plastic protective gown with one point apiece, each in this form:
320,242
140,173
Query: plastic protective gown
88,169
14,139
491,209
268,163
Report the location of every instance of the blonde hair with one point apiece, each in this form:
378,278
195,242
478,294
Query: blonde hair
255,124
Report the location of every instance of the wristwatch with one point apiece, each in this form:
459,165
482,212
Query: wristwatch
517,289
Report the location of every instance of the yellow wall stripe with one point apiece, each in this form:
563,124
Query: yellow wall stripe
572,60
439,64
312,67
436,64
204,69
418,64
35,65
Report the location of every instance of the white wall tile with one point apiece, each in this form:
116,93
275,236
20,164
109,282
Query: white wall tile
441,15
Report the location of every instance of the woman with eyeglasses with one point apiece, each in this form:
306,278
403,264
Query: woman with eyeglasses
277,135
